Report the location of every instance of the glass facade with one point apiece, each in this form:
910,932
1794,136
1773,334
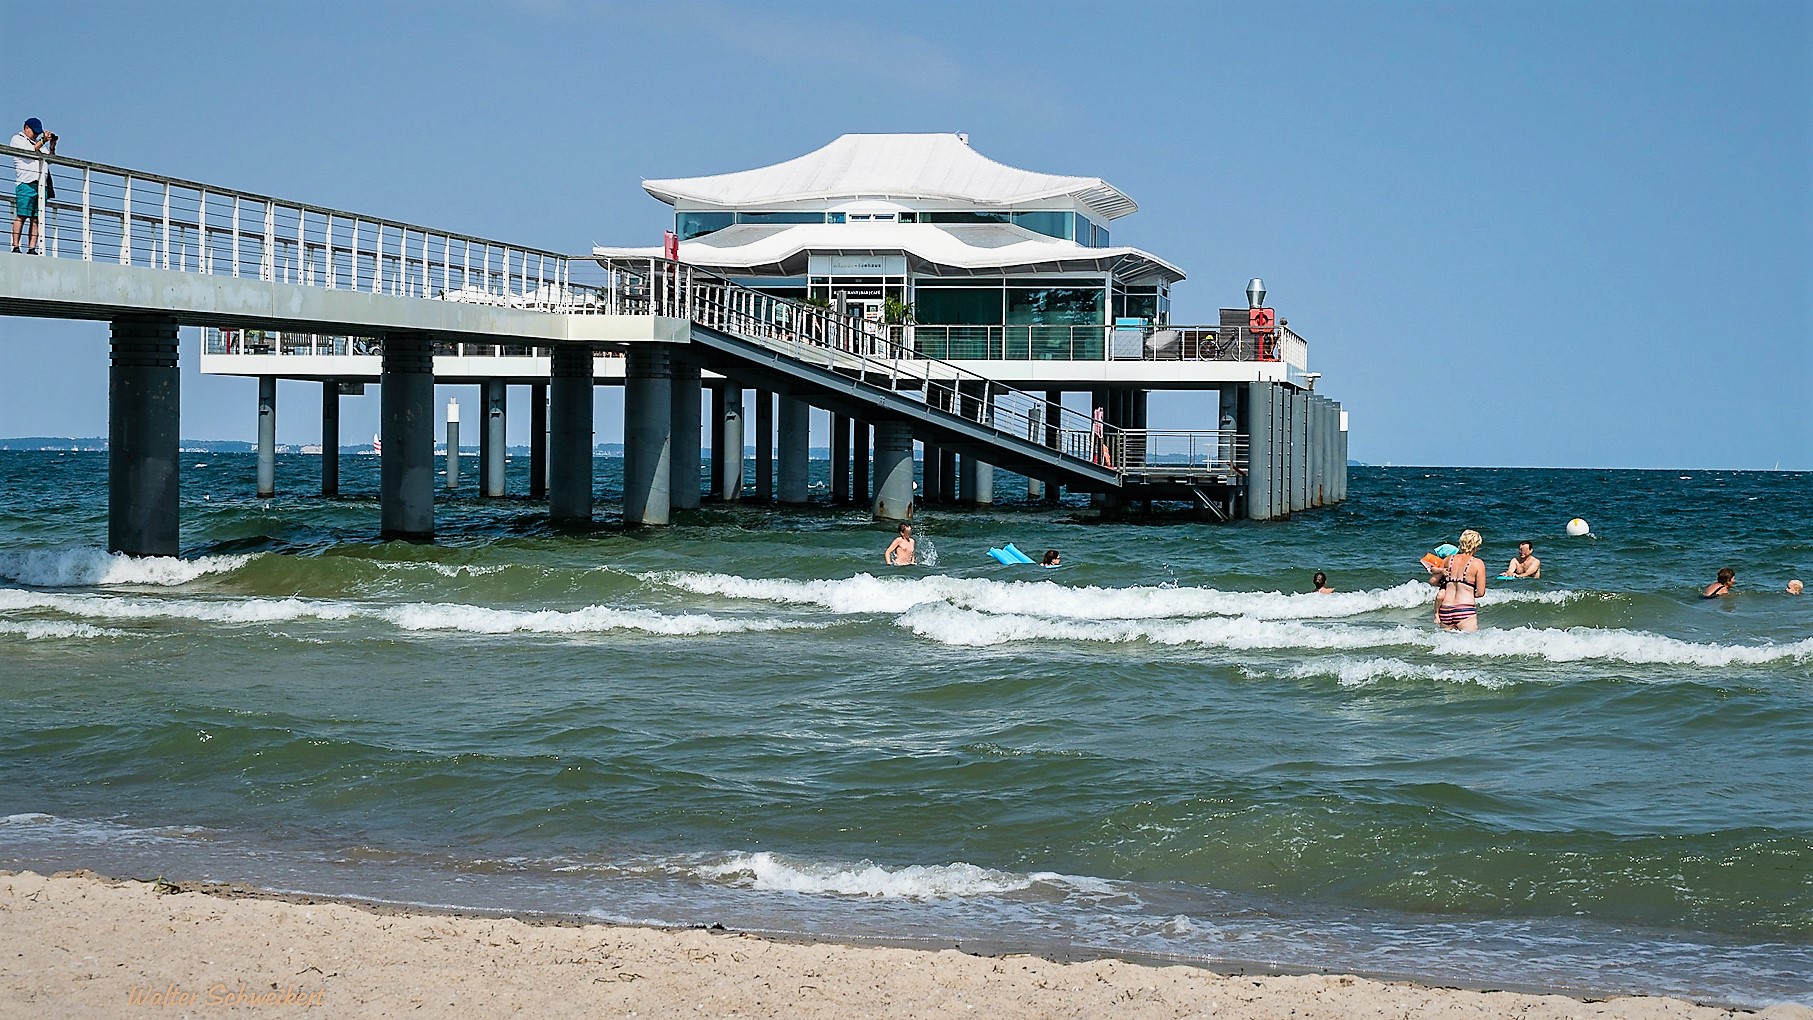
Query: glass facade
694,224
1068,226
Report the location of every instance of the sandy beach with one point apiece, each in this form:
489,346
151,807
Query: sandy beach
78,945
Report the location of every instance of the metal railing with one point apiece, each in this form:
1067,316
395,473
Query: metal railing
1003,343
105,213
1209,343
1165,452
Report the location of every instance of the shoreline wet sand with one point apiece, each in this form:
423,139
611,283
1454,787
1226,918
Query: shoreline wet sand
79,945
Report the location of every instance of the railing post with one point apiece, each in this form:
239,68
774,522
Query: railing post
166,225
353,269
377,260
206,263
268,271
87,222
327,253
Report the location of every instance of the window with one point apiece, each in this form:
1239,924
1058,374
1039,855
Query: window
781,217
958,306
834,217
963,217
909,217
1052,224
695,224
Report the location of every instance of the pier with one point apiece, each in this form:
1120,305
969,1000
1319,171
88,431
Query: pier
290,290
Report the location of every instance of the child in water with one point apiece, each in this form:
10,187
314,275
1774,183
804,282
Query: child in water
900,551
1051,559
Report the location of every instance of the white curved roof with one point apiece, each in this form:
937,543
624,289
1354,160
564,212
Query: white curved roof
944,249
922,166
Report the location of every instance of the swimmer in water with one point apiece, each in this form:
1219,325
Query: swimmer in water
1794,586
1052,559
900,551
1462,582
1526,564
1727,581
1319,584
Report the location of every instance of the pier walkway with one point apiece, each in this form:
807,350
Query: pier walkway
149,253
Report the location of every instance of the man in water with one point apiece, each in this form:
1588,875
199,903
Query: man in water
1526,564
900,551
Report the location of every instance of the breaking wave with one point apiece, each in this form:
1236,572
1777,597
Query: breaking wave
769,872
866,593
408,617
952,626
87,567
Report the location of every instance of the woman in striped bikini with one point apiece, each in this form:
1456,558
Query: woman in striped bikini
1462,582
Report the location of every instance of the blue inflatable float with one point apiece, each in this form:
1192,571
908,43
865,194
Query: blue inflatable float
1009,556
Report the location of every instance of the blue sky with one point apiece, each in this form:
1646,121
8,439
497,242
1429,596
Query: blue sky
1547,234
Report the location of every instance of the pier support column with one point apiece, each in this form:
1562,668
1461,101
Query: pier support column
729,445
1257,414
491,457
1054,423
330,437
648,402
840,458
267,436
859,465
683,485
406,469
453,445
893,472
538,441
570,434
795,450
143,436
764,446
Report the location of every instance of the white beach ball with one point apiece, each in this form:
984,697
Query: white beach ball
1577,527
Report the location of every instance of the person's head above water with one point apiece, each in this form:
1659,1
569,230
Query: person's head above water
1794,587
906,531
1320,580
1727,575
1051,558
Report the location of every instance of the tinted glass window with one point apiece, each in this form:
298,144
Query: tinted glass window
693,224
964,306
1051,224
963,217
781,217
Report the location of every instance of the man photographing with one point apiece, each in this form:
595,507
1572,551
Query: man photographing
27,172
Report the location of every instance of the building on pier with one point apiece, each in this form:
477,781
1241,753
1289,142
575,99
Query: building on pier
930,299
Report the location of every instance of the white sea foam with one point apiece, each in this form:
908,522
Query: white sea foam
1374,671
866,593
769,872
86,567
408,616
589,620
952,626
42,630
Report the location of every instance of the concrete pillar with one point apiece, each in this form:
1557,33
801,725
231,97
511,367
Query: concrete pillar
267,436
538,441
492,456
1257,424
453,446
570,434
648,403
947,474
718,405
683,488
893,472
764,446
1054,421
330,437
730,445
406,469
795,449
840,458
859,464
143,436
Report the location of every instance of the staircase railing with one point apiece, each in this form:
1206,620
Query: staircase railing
853,346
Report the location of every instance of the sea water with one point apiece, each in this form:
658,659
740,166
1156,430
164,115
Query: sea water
1163,749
